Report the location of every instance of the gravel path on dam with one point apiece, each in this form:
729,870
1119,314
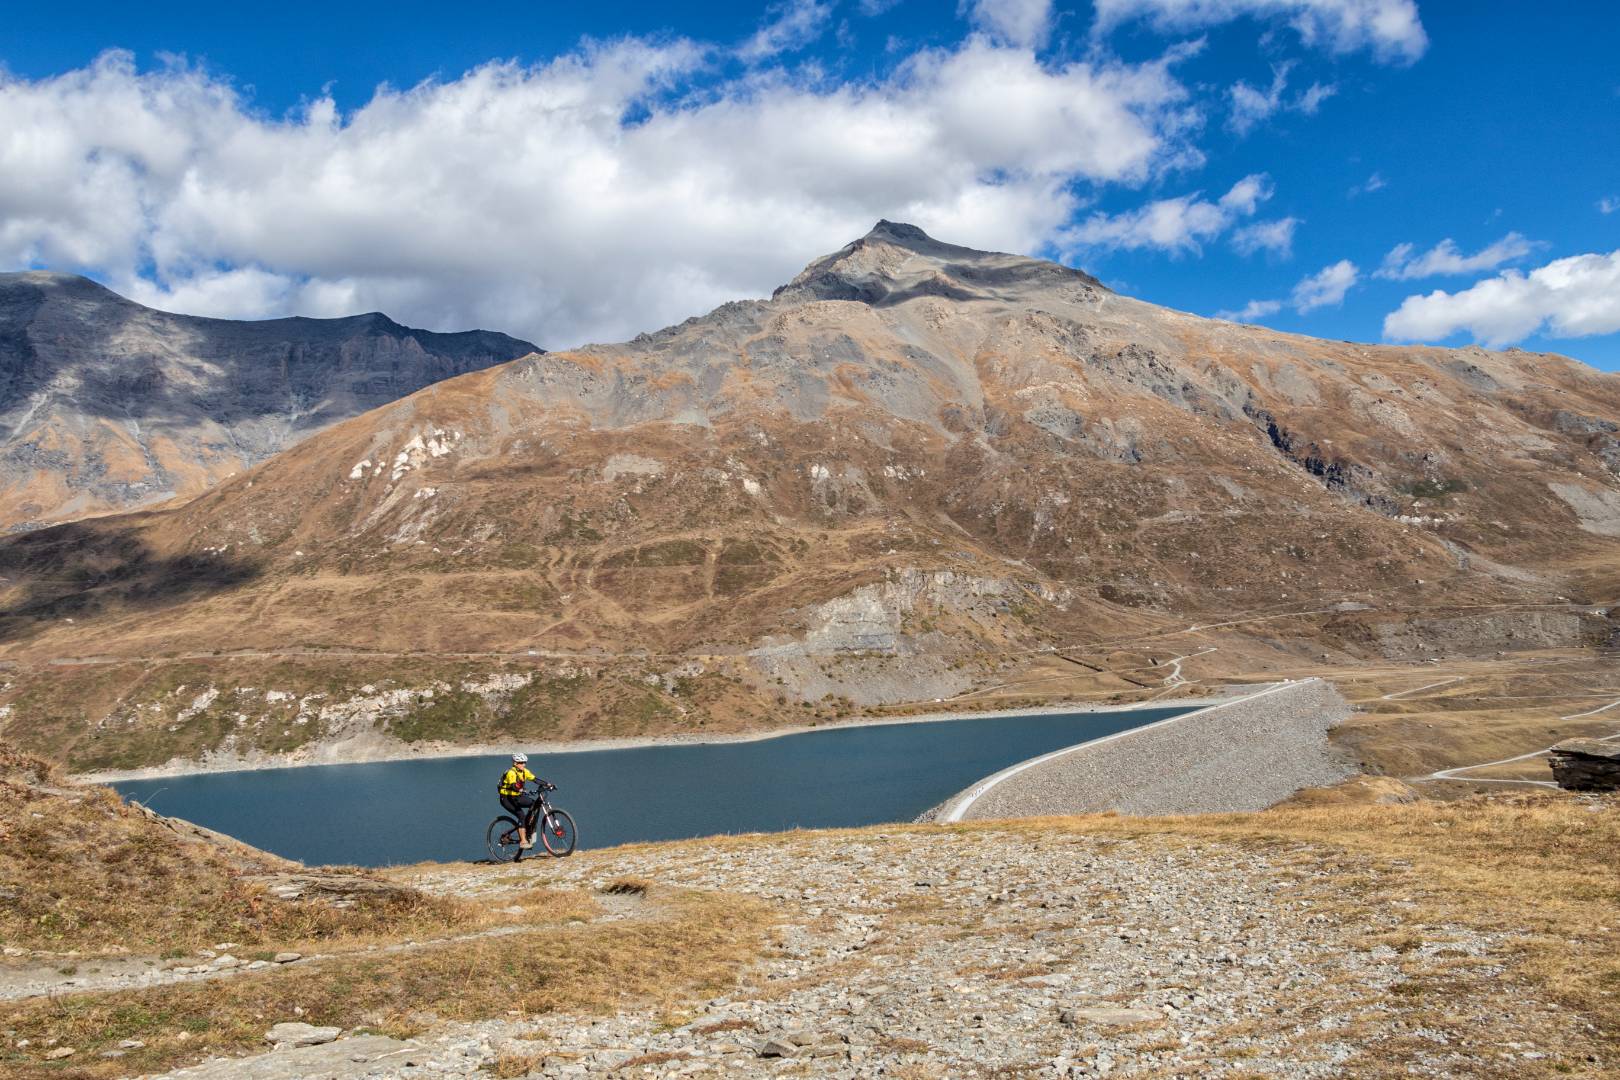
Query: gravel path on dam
1246,754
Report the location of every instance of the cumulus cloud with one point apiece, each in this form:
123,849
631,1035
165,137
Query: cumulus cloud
1608,206
1251,105
1375,182
1179,225
1274,237
1254,309
615,189
1023,23
1574,297
1390,28
1445,258
792,25
1325,288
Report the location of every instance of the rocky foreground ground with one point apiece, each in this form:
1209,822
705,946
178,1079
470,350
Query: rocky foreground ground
1023,950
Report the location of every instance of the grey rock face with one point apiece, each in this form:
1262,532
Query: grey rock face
107,405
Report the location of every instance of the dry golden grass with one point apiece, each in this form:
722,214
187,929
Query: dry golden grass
660,1057
83,871
696,947
508,1066
1412,721
628,886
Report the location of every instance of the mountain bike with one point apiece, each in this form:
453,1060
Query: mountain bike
554,828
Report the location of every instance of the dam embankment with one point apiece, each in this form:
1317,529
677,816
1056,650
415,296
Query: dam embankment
1245,754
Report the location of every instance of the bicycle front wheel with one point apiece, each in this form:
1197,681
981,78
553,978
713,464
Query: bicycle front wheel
557,833
503,839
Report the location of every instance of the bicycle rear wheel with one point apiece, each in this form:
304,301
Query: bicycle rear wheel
503,839
557,833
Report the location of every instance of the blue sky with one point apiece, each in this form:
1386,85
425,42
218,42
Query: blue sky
1367,169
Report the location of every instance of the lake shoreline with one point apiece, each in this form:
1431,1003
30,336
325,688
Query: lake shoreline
379,747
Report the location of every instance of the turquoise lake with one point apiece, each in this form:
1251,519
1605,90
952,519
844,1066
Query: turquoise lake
390,812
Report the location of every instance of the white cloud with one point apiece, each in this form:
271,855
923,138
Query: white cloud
793,25
1275,237
1178,225
1325,288
1253,310
1250,105
615,189
1247,194
1390,28
1608,206
1445,258
876,7
1375,182
1574,297
1311,100
1023,23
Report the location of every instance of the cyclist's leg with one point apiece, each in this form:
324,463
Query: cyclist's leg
521,813
531,806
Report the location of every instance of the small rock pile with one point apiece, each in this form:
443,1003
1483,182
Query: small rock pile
1586,765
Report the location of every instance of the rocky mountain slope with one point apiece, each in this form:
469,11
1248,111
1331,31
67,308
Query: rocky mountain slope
107,405
915,471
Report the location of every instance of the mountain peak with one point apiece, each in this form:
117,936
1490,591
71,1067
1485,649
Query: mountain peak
70,284
896,261
897,231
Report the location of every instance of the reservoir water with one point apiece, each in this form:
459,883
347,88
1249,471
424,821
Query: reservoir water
387,812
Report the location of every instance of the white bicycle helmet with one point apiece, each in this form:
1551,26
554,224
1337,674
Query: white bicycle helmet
520,759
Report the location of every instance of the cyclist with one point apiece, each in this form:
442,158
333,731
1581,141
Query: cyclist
516,799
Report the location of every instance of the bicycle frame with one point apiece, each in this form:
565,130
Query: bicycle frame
540,810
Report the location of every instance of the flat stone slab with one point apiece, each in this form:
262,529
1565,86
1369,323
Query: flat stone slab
362,1055
296,1034
1110,1017
1589,748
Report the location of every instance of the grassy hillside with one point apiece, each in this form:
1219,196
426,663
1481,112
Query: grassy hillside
80,870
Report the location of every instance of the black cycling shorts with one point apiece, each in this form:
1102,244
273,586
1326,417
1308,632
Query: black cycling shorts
518,805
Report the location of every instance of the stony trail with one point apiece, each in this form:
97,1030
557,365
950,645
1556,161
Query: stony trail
26,976
941,953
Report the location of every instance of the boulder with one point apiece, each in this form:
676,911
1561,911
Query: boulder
1586,765
777,1048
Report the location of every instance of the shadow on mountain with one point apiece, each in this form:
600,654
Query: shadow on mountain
938,287
1024,272
80,570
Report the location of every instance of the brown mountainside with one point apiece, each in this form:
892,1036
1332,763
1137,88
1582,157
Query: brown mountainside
915,470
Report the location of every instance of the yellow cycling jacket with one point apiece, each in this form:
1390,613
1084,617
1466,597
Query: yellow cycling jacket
512,783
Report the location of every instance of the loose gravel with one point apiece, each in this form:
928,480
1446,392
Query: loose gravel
978,953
